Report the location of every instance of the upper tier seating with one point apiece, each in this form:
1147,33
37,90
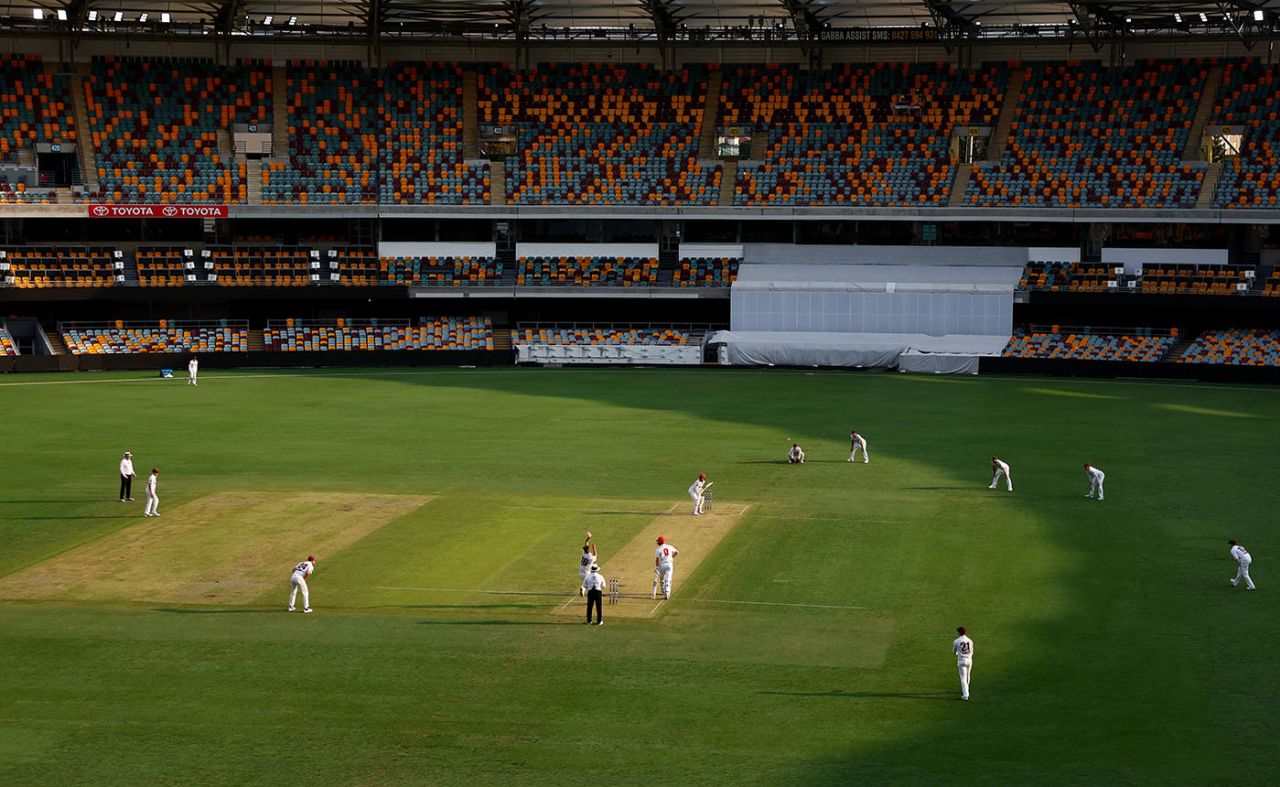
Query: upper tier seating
1249,103
422,271
421,153
7,346
599,335
155,127
1271,287
602,134
260,266
333,138
1086,135
1138,346
164,337
706,272
162,266
856,134
61,266
587,271
1235,347
440,333
1194,279
36,106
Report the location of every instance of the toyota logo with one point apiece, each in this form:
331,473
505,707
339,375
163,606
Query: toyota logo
101,210
170,211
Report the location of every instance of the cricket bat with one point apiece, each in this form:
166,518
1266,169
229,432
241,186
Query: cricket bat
654,594
708,485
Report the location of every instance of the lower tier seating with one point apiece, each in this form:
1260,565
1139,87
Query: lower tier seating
163,337
7,347
598,335
53,266
587,271
1083,345
439,333
1235,347
420,271
706,272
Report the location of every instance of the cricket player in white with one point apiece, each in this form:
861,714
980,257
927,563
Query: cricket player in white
193,366
664,563
999,467
796,456
1096,477
1243,560
858,443
585,562
153,499
963,648
695,493
299,582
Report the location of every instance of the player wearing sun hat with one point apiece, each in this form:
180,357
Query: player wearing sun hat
595,585
126,477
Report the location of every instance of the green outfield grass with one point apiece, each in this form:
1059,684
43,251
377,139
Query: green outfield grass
1110,648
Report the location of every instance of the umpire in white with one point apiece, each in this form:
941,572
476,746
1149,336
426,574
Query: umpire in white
595,585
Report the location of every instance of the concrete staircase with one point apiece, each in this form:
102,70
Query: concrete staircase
26,157
497,182
1209,186
1208,98
226,146
84,150
1179,350
502,339
56,344
256,343
710,118
279,113
253,182
959,185
1008,111
728,183
470,117
759,146
130,271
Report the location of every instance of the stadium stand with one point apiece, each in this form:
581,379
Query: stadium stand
259,266
439,333
586,271
1196,279
35,108
154,124
591,334
163,337
7,346
162,266
19,194
421,271
602,134
1087,135
1139,345
1248,104
856,134
333,138
1271,288
420,155
706,272
32,267
1235,347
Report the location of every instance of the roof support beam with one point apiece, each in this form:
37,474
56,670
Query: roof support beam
808,29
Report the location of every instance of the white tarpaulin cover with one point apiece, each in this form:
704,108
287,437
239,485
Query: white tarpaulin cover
914,352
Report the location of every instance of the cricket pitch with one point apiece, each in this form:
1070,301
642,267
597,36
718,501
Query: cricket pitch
218,549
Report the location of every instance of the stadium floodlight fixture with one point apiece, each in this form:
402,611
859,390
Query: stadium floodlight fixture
1177,17
119,17
142,17
37,13
293,20
164,17
1204,17
1128,20
268,20
62,14
1257,15
93,16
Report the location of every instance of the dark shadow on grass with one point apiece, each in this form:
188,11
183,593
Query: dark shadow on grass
475,606
37,518
237,611
51,501
763,462
936,488
489,623
840,693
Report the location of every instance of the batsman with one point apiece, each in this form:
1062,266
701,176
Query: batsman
698,491
664,563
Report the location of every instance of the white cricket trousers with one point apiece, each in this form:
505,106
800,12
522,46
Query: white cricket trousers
191,378
1095,485
964,668
299,582
866,456
1243,573
697,502
664,577
153,504
995,479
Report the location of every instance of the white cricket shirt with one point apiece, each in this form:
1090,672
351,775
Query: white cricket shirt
1241,554
1002,466
963,648
305,568
126,466
665,554
1096,474
696,489
594,582
151,483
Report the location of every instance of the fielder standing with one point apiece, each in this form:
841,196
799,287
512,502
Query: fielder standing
1096,477
664,563
193,366
796,455
595,585
299,582
585,562
1243,561
962,647
126,477
999,467
153,499
858,443
695,493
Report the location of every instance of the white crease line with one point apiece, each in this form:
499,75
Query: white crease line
655,609
773,604
672,508
595,510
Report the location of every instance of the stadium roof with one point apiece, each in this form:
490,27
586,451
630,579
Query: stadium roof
669,19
